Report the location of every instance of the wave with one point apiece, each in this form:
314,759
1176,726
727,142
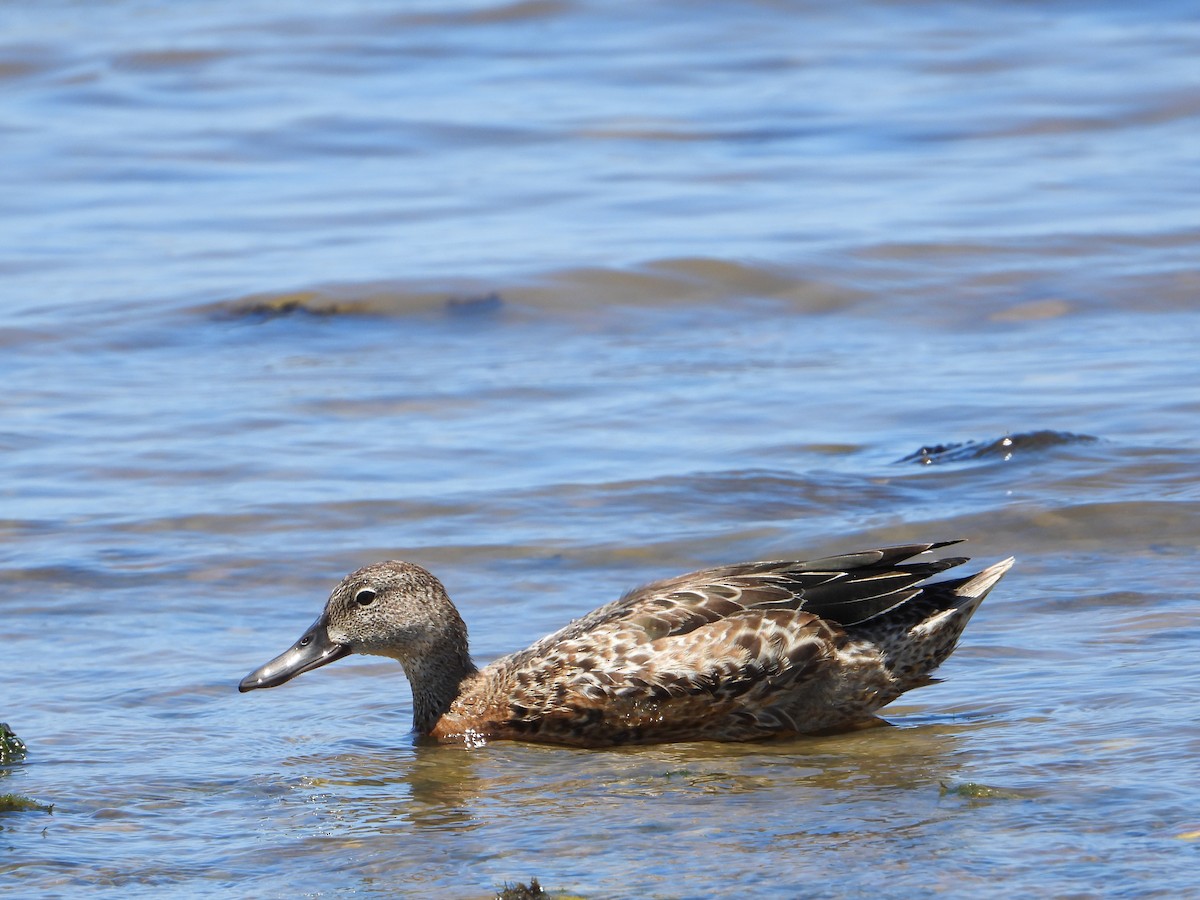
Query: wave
667,284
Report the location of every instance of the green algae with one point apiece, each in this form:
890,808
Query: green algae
12,750
531,891
521,891
18,803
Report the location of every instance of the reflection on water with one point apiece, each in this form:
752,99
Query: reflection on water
434,787
516,802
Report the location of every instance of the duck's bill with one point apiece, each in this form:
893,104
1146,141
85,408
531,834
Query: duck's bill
313,650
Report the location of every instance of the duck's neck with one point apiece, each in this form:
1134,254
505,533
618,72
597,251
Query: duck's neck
436,678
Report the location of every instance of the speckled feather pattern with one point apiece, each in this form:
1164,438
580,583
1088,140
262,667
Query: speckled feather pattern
734,653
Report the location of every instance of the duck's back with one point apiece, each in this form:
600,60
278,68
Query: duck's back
731,653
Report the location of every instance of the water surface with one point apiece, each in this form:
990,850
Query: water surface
557,298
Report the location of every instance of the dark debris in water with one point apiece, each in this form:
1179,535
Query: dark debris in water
12,748
487,304
972,790
323,304
1004,448
307,302
677,773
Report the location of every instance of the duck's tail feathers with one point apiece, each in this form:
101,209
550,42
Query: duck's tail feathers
917,637
963,595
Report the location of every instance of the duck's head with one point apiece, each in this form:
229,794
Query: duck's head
393,608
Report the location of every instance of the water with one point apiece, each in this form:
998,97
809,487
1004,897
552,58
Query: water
556,298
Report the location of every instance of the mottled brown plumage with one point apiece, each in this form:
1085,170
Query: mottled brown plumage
734,653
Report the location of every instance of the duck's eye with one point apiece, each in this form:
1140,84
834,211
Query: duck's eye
364,596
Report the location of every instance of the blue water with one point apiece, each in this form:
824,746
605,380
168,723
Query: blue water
557,298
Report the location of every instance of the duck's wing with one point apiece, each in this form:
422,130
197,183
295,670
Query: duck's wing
722,648
728,679
845,590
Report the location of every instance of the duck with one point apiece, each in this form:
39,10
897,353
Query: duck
741,652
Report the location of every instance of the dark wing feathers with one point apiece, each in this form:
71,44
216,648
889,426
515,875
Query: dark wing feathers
845,590
859,597
883,558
